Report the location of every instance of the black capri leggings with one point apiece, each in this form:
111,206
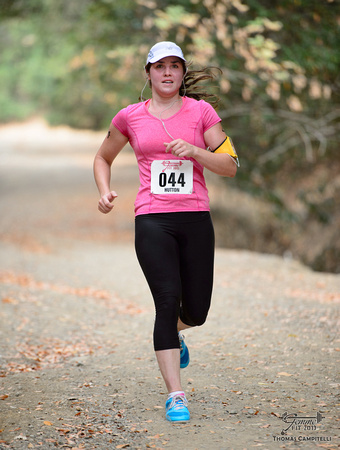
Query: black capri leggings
176,254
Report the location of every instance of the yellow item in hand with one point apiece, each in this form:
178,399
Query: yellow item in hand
227,146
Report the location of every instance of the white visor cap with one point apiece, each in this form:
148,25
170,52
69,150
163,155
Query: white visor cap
162,50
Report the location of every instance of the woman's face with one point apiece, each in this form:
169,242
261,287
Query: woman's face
166,76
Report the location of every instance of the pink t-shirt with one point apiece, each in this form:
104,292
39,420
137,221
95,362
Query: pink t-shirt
147,135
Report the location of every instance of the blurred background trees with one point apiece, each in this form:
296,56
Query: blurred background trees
78,62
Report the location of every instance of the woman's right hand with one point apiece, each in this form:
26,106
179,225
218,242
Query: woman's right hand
105,204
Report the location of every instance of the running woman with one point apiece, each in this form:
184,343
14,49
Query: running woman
175,136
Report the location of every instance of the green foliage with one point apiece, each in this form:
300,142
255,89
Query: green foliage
61,60
78,62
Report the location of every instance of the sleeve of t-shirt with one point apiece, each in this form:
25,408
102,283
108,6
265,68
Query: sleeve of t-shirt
209,116
120,122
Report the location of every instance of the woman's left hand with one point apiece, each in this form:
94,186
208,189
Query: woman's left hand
180,148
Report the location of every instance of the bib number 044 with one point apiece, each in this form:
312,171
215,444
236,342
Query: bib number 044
172,177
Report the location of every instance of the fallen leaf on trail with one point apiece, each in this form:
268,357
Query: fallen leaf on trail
3,397
9,300
122,445
52,352
322,297
265,426
285,374
239,368
46,422
24,322
64,431
109,301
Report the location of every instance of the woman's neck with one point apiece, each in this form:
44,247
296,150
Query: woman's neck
165,106
163,102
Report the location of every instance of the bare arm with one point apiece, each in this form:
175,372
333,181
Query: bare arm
220,163
111,146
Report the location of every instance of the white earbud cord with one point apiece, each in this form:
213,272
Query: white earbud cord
142,92
160,117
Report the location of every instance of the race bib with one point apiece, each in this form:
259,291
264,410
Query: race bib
172,177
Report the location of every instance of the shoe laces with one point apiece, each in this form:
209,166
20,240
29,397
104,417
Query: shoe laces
178,400
181,339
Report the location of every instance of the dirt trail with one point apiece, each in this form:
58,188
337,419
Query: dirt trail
76,318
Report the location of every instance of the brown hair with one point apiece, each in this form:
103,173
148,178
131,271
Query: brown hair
191,86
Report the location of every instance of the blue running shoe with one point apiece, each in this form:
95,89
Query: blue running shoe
185,359
176,409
